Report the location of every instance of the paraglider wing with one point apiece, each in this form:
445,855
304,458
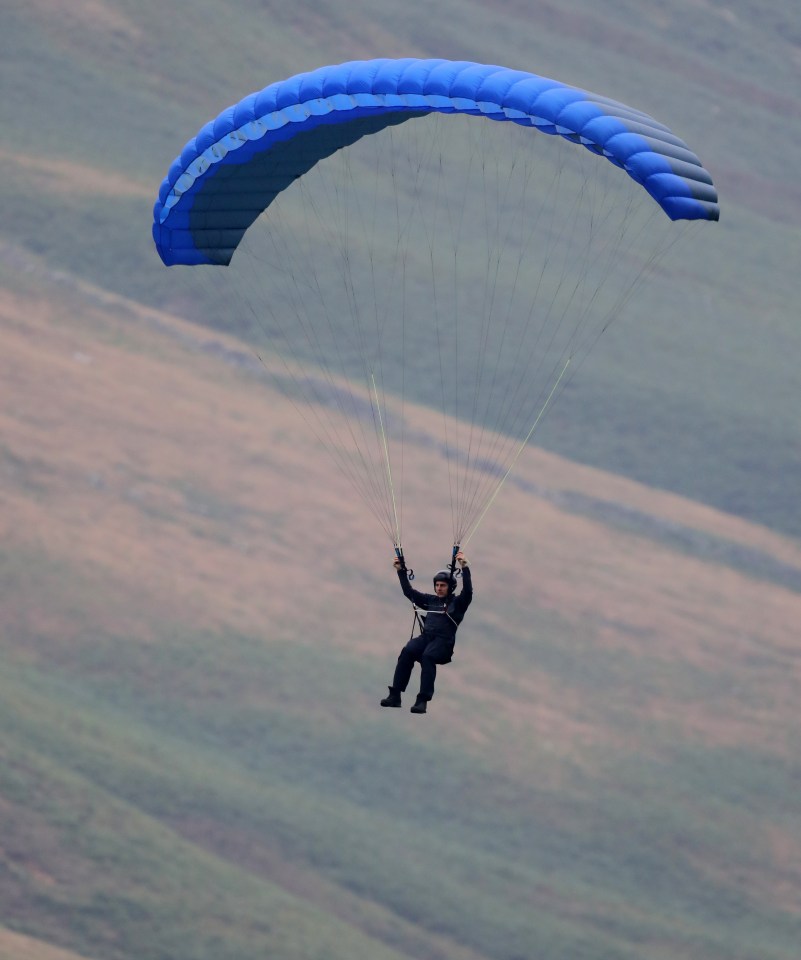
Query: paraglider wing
414,255
229,173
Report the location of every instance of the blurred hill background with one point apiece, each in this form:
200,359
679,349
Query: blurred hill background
198,619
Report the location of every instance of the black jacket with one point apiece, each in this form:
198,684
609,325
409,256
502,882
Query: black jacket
443,614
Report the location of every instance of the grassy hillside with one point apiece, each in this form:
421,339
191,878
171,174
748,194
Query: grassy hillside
197,630
694,390
198,617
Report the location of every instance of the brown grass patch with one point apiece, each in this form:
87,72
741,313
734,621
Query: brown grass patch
99,17
63,177
16,946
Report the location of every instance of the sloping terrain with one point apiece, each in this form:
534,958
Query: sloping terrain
198,622
198,616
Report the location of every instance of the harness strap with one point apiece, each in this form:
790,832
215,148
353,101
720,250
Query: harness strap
427,612
416,622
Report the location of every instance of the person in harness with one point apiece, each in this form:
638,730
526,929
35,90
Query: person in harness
444,611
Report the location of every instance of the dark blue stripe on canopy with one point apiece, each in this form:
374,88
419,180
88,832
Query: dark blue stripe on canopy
229,173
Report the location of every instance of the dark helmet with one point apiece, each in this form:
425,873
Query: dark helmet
445,576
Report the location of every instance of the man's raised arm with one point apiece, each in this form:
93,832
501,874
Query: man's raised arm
408,591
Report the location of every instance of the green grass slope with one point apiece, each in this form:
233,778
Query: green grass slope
196,632
695,391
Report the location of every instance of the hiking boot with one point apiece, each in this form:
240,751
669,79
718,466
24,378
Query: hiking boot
393,700
419,705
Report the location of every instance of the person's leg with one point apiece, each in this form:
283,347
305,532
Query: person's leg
403,671
428,675
439,650
407,658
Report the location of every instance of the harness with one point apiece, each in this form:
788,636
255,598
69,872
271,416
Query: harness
418,620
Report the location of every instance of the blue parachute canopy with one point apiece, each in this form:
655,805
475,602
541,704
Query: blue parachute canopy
229,173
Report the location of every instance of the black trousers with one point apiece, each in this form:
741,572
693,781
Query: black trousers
428,651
